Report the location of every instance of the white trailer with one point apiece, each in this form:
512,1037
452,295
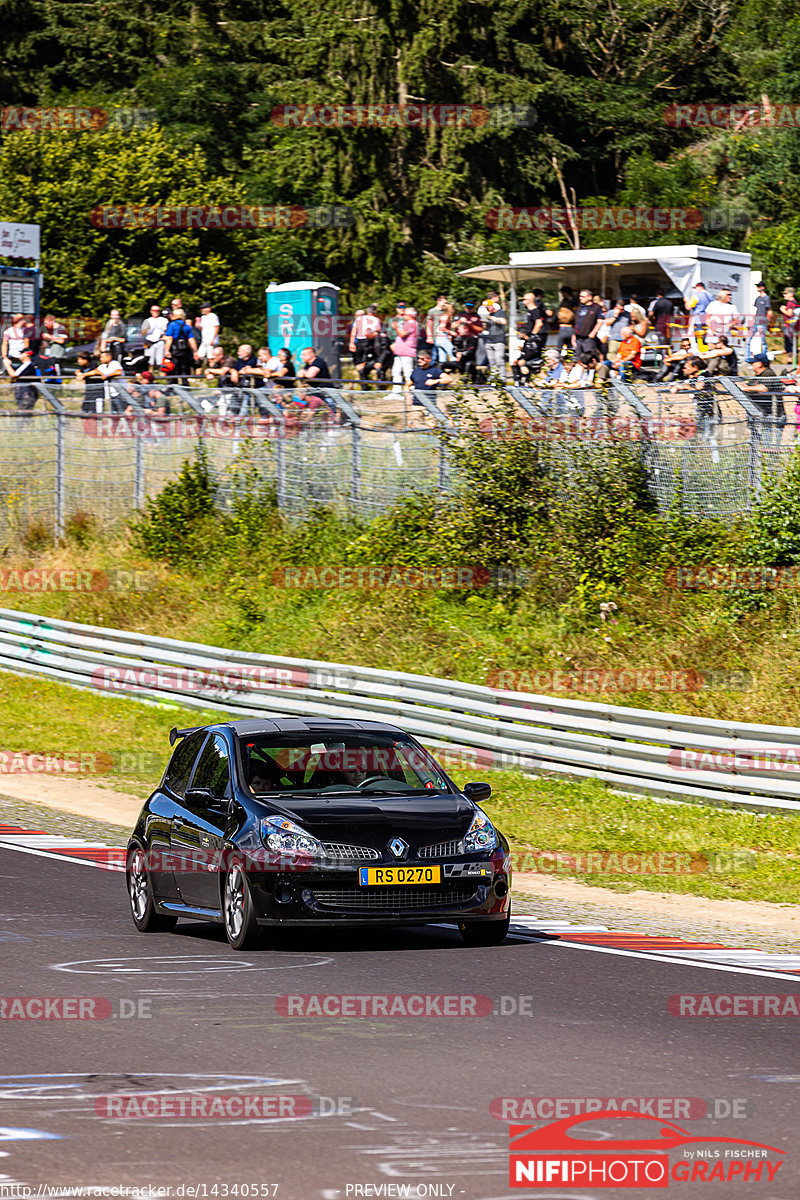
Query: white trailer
620,271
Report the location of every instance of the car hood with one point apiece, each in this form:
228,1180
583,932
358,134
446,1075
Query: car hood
372,820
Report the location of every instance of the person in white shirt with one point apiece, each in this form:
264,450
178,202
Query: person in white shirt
108,369
721,314
153,329
209,334
15,339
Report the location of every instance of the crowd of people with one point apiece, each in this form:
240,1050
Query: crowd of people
569,345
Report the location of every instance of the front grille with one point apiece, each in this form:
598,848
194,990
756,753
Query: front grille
385,899
349,853
440,850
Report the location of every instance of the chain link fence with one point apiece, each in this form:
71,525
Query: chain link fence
706,444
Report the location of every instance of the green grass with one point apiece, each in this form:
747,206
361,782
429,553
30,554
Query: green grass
469,637
753,857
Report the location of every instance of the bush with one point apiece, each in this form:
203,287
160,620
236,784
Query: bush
173,522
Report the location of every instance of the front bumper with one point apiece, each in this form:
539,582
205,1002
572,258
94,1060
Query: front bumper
320,896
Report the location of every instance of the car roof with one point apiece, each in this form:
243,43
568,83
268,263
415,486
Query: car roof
252,726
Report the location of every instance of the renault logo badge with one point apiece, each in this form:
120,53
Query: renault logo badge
398,847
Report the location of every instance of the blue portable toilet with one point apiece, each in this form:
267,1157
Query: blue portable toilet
304,313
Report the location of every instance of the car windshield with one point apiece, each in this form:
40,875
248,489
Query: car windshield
343,763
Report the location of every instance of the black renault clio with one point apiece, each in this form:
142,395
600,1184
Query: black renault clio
263,824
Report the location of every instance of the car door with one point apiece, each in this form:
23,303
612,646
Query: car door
199,838
176,781
163,807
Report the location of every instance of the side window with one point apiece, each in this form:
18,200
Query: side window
212,770
182,761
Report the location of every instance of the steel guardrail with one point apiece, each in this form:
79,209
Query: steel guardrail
631,749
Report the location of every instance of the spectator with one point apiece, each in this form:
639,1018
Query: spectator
314,367
364,332
566,321
637,316
695,380
587,323
721,314
284,374
16,338
721,358
489,305
179,346
697,302
246,362
267,365
209,334
427,375
53,338
628,359
790,320
762,315
534,324
93,391
153,399
465,341
555,376
438,329
581,375
672,363
220,367
23,372
769,403
113,336
153,329
404,346
661,312
496,332
108,369
615,320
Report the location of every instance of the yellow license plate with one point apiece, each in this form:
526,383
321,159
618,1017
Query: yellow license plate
377,876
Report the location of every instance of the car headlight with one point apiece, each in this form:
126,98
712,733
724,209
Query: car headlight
480,835
282,835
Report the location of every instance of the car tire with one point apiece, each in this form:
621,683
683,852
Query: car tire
140,894
238,913
485,933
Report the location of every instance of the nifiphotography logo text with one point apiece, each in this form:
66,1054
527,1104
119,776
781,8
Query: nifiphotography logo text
552,1156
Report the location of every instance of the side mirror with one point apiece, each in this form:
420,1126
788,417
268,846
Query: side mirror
477,792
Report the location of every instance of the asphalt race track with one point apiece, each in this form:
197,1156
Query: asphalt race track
351,1105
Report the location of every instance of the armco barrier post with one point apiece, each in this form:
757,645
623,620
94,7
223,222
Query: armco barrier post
138,469
61,486
355,466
